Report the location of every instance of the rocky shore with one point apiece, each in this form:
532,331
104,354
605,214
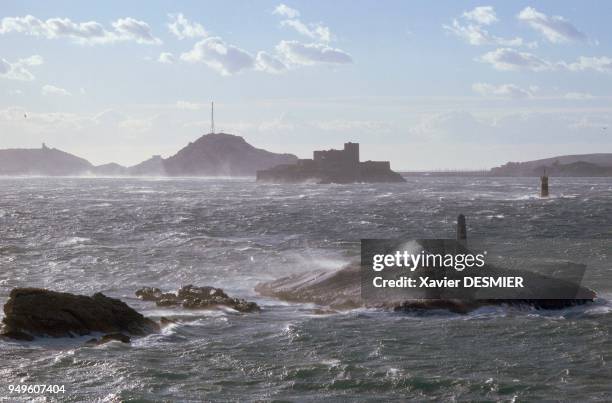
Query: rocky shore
342,290
191,297
36,312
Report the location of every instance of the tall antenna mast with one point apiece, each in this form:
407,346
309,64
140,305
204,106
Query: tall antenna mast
212,117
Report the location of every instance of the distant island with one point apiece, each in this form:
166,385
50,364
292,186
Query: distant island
332,166
213,154
578,165
565,165
228,155
42,161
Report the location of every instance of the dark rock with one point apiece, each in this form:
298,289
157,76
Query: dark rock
191,297
463,307
17,335
342,290
149,293
40,312
123,338
338,290
163,321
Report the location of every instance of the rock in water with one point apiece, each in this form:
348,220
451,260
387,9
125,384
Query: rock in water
338,290
149,293
342,290
191,297
123,338
39,312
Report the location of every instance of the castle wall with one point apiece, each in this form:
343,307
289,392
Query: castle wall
376,165
333,166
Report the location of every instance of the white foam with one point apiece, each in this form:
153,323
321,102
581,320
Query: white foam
73,241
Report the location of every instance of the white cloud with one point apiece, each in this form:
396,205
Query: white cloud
18,70
268,63
15,92
131,29
506,59
484,15
34,60
476,35
228,59
344,125
502,91
49,89
136,125
472,28
43,122
90,32
555,29
279,123
578,96
315,31
524,127
446,125
286,11
298,53
166,58
190,106
218,55
108,117
5,66
600,64
182,28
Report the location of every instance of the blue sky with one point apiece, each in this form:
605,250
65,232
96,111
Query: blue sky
428,85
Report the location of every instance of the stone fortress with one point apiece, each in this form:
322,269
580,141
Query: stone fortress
332,166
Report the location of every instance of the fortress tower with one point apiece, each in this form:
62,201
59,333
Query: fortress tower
351,150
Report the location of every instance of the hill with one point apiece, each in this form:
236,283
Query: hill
564,165
154,166
42,161
215,154
221,154
112,169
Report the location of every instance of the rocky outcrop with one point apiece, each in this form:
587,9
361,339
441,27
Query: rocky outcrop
191,297
338,290
342,290
107,338
31,312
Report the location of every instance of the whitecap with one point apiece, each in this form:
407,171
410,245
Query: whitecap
75,240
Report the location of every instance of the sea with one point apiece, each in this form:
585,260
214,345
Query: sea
116,235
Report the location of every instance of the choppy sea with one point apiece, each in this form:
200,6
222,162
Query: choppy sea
86,235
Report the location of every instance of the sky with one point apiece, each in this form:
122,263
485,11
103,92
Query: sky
426,85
